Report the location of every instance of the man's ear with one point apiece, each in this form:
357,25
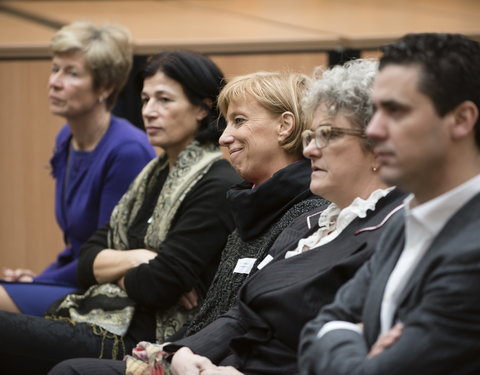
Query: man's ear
287,124
464,116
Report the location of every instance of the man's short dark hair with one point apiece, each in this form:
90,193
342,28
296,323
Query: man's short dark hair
450,66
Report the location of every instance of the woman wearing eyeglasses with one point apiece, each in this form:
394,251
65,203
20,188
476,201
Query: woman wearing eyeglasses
259,334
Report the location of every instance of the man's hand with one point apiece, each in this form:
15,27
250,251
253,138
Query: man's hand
221,370
189,300
185,362
386,340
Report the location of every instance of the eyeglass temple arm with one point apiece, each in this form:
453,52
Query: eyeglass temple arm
350,131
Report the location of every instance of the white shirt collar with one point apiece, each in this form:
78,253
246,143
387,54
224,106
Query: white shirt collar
435,213
422,225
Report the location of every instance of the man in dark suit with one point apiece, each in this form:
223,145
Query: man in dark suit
414,308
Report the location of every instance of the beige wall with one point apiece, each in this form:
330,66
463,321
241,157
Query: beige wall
233,65
28,232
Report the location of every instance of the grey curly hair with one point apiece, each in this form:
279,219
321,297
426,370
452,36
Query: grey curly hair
344,89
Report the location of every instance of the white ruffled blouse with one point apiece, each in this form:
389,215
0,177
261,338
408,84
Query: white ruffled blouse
333,221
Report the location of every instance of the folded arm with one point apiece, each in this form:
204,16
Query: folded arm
111,265
440,334
157,279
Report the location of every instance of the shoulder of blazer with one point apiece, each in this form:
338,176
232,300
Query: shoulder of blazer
385,210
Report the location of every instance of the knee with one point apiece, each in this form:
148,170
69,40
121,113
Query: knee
68,367
89,366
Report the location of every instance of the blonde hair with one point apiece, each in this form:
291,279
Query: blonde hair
278,92
108,53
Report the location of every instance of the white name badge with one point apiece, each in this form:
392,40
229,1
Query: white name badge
244,265
265,261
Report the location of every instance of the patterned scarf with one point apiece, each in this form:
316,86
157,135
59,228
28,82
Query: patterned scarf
147,359
108,306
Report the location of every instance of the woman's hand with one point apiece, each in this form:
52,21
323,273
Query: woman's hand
189,300
19,274
185,362
111,265
140,256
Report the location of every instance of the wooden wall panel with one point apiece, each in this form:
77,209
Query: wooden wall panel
371,54
233,65
28,231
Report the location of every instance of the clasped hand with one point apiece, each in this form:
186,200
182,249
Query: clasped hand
185,362
19,274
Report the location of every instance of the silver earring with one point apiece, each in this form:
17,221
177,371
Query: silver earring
100,100
374,169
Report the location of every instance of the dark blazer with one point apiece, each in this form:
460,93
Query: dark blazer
440,308
259,335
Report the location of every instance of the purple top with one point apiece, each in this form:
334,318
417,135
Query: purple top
101,177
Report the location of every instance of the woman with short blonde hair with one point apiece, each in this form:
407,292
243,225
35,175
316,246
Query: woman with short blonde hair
107,50
277,92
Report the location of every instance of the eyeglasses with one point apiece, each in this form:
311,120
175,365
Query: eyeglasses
324,133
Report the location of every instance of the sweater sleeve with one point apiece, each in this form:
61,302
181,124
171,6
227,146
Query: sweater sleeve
189,255
96,243
213,340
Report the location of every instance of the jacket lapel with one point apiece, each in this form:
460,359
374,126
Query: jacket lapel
441,244
388,255
354,238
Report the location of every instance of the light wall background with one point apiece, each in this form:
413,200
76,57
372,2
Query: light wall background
241,36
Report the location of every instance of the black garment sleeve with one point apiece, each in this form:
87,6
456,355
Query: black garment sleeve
189,255
346,307
96,243
213,340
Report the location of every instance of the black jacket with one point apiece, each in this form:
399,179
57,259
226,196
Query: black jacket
260,334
